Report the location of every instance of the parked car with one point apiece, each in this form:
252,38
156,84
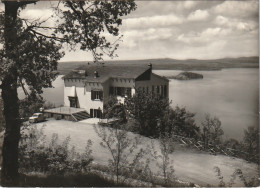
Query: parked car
36,117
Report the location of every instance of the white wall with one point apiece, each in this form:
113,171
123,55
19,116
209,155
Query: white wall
83,91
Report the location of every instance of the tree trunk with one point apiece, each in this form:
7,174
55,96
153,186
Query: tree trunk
10,99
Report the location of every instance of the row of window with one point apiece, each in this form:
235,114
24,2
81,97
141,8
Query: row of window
96,95
120,91
95,113
126,91
161,90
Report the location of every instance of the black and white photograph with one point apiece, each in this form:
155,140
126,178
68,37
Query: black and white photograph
129,93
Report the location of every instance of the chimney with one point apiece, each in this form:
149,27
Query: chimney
150,65
96,74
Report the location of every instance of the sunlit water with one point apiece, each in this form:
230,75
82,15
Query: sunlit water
230,94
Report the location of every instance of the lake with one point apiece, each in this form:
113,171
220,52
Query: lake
232,95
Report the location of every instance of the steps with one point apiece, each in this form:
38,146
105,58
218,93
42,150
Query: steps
80,115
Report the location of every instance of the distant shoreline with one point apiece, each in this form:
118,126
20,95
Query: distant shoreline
173,64
64,72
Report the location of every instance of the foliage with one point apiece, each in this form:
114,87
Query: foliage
252,182
211,131
220,177
154,116
34,57
146,109
235,145
121,147
30,52
75,180
180,122
163,158
251,143
83,23
30,105
37,156
113,109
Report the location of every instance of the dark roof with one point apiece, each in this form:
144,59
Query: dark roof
162,77
106,71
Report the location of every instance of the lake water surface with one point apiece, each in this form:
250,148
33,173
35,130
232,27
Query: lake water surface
230,94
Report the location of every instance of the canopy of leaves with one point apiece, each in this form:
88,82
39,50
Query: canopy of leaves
84,24
211,130
34,56
37,47
146,109
180,122
251,143
113,109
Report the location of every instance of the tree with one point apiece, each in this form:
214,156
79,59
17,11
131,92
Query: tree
29,105
113,109
180,122
251,143
164,163
146,109
252,182
121,147
211,131
30,55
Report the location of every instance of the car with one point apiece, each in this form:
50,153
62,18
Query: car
36,117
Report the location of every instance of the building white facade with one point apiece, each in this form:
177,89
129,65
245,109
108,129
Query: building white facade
90,86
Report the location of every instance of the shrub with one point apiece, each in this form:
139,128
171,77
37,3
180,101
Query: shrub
162,157
121,147
146,109
37,156
252,182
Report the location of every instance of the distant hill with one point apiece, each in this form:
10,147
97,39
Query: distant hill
174,64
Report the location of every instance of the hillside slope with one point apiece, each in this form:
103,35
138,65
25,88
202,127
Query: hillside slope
190,165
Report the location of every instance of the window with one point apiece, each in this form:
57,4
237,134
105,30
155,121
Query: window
161,90
95,113
73,102
158,89
96,95
165,91
120,91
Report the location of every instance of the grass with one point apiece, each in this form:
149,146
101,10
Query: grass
190,165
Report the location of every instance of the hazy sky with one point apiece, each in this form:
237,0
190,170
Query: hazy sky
181,30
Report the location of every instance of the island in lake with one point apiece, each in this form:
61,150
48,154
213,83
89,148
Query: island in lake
187,76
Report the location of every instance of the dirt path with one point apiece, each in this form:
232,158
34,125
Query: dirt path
190,165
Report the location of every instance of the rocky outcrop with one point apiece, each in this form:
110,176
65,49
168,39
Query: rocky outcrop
187,76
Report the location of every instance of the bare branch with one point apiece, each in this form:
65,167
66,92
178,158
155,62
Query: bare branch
46,36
